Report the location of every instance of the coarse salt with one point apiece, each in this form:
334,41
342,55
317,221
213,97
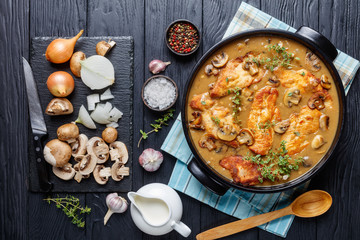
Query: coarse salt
159,93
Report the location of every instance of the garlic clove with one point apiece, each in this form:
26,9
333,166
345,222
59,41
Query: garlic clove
156,66
151,159
116,204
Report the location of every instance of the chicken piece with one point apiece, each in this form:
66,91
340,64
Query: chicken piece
262,114
242,171
302,79
302,124
201,102
233,76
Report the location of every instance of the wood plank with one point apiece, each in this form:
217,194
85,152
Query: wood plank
13,113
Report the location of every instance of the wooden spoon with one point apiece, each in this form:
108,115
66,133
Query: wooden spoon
309,204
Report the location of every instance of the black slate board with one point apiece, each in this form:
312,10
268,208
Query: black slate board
121,57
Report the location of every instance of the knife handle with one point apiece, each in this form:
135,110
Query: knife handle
41,167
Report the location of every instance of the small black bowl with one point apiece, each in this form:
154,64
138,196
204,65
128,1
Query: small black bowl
167,37
168,79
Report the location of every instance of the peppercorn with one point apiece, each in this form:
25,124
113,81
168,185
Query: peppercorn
183,37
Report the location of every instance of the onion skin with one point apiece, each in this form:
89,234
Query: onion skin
60,50
75,65
60,84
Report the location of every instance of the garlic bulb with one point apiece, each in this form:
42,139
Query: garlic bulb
156,66
151,159
116,204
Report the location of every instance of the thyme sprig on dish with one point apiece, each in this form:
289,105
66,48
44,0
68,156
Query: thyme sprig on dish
236,100
70,205
275,164
159,123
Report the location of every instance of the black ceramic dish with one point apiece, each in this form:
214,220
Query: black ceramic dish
167,37
319,45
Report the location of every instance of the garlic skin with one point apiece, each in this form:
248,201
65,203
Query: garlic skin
156,66
116,204
151,159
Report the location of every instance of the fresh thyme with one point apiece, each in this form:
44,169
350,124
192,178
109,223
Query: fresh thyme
216,120
158,125
236,100
70,205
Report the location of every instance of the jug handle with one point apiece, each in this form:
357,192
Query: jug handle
181,228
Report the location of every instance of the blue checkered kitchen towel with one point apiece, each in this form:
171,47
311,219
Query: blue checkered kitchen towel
238,203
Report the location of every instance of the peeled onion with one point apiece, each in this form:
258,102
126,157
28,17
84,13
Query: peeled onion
85,119
60,84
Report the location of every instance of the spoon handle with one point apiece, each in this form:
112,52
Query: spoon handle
241,225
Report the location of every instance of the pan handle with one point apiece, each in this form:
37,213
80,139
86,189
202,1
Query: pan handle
319,40
201,175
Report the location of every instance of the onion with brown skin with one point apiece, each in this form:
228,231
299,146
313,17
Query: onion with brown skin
75,65
60,84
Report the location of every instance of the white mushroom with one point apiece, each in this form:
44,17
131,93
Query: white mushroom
78,176
312,61
79,146
324,81
86,163
317,142
324,122
119,152
118,171
282,126
245,137
220,60
66,172
211,70
98,148
102,174
292,97
57,153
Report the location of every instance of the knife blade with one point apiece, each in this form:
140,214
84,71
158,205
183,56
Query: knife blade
38,126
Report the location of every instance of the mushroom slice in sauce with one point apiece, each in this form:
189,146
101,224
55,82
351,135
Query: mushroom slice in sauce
59,106
282,126
102,174
119,171
65,173
227,133
317,101
207,141
196,122
98,148
317,142
119,152
312,61
324,81
306,162
246,137
220,60
79,146
274,82
324,122
292,97
211,70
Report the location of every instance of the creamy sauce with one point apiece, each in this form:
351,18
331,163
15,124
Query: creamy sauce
155,211
258,45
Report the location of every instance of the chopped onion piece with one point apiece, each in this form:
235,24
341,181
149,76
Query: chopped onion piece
100,115
115,114
108,107
85,119
92,100
112,124
97,72
106,95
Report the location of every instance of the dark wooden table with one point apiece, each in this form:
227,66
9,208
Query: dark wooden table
25,215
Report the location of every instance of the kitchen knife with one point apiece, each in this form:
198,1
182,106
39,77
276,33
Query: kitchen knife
38,126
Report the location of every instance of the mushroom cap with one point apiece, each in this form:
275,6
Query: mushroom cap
274,82
227,133
57,153
87,164
282,127
220,60
324,81
98,178
211,70
207,141
119,152
103,47
324,121
98,148
118,171
68,132
79,146
109,134
312,61
317,142
292,97
317,101
66,172
246,137
59,106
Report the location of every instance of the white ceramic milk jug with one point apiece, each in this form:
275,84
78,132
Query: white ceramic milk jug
156,209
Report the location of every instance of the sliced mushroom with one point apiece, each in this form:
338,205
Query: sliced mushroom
119,152
251,67
102,174
273,81
245,137
221,147
57,153
196,122
207,141
78,176
317,142
98,148
306,162
312,61
282,126
68,132
79,146
65,172
324,122
220,60
119,171
292,97
211,70
246,92
317,101
87,164
324,81
109,134
103,47
59,106
227,133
